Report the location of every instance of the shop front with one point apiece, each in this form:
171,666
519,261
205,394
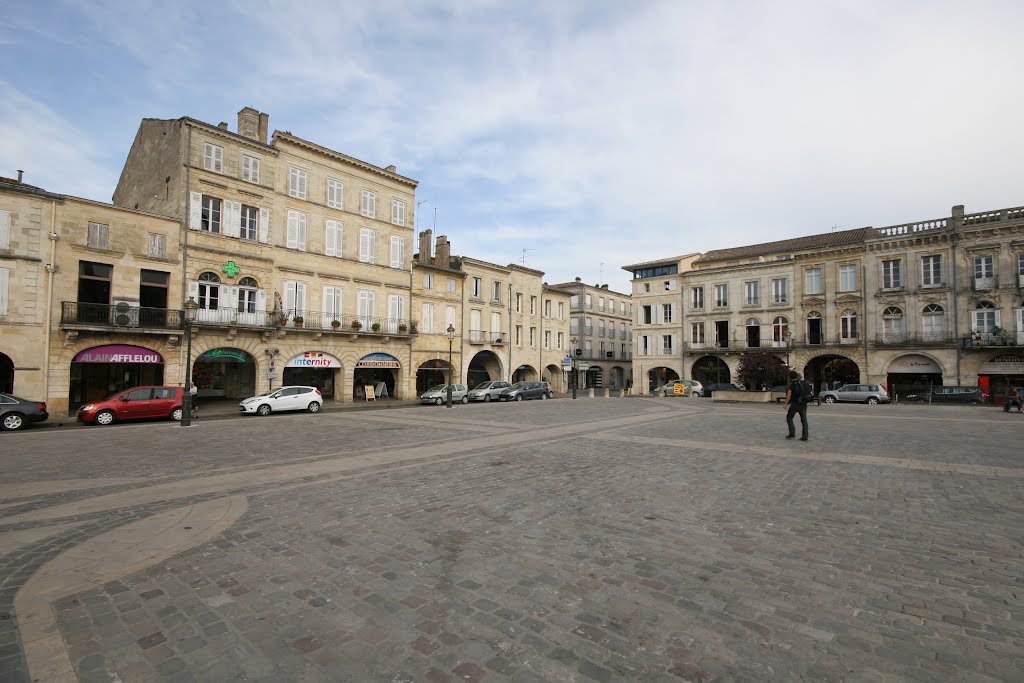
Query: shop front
313,369
377,370
913,371
225,374
1000,374
432,373
100,371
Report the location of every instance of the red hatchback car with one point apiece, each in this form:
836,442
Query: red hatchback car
137,403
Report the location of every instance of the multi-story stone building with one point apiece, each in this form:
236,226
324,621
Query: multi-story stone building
931,302
657,325
89,297
437,290
298,256
601,329
526,325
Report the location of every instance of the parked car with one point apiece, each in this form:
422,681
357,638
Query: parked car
856,393
971,395
137,403
439,394
525,391
284,399
18,413
722,386
683,387
487,391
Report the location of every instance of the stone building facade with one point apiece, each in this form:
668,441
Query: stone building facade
601,324
934,302
437,291
299,256
93,297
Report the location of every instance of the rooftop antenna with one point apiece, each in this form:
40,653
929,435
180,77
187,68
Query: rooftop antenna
418,205
435,218
523,259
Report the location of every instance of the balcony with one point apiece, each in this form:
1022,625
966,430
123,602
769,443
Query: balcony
983,284
485,337
120,316
915,339
985,341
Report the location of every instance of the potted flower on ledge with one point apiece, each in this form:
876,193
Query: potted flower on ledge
1000,334
375,327
335,324
356,325
298,320
403,328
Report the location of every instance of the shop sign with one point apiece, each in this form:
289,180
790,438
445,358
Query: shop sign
313,359
1003,365
225,355
378,360
915,363
119,353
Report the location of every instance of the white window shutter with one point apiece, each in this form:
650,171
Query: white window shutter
302,233
300,296
232,218
195,210
998,320
292,240
326,307
261,300
373,246
396,255
5,229
364,245
330,242
289,298
264,227
5,279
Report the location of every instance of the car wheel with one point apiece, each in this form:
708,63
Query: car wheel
695,394
519,397
104,417
438,401
176,414
487,398
544,396
830,399
313,407
263,410
465,400
872,401
13,421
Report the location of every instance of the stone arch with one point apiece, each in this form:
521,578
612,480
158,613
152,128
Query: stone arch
484,366
525,373
828,367
711,370
226,372
555,377
660,376
6,373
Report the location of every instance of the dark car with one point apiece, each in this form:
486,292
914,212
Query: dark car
710,389
970,395
525,391
137,403
18,413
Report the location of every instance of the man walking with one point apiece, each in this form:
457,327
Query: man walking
796,402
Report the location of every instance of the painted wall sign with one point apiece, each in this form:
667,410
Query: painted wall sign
915,363
313,359
225,356
378,360
1003,365
119,353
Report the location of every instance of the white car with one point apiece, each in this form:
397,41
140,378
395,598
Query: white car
285,398
487,391
439,394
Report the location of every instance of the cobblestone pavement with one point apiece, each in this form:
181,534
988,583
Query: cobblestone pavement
600,539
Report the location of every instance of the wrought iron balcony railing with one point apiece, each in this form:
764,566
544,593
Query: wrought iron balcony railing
120,316
915,339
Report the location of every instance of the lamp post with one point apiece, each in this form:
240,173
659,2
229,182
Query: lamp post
451,368
575,372
788,337
186,400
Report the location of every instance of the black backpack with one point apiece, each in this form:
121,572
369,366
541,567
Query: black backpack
806,391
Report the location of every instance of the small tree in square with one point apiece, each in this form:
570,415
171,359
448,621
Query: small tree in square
758,369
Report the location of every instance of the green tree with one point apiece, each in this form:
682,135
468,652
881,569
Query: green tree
761,369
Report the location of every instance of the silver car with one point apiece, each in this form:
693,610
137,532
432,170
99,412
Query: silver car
856,393
487,391
439,394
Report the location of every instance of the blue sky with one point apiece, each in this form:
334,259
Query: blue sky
586,132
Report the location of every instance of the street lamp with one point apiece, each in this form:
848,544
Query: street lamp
451,368
575,371
186,401
787,336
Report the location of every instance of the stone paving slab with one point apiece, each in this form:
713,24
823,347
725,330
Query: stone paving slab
607,541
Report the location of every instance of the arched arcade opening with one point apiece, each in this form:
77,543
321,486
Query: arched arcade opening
831,370
483,367
711,370
659,376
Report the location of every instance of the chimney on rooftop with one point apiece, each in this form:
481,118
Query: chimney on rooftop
264,125
223,125
249,123
443,252
391,168
425,256
579,279
20,173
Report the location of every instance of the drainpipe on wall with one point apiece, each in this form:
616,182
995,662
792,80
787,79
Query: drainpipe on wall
51,268
184,253
511,372
864,298
956,306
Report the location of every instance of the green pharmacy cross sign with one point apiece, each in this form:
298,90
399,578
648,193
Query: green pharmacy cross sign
231,269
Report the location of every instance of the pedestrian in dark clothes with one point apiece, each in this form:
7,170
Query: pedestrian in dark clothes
795,403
